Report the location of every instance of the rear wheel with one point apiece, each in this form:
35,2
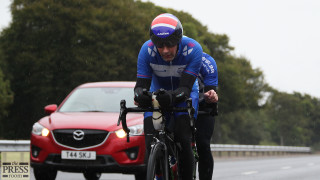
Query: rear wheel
41,173
157,163
91,175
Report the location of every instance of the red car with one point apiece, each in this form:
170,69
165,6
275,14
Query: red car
81,135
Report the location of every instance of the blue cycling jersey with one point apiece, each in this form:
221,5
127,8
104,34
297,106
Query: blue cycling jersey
165,74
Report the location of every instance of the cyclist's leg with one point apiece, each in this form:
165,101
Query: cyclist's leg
205,128
182,134
195,103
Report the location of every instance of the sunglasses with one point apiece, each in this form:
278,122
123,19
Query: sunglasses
167,44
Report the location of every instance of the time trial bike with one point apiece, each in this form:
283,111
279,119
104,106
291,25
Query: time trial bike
164,154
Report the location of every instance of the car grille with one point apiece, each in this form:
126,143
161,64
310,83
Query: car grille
90,138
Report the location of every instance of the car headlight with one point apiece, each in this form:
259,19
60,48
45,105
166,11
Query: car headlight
38,129
134,131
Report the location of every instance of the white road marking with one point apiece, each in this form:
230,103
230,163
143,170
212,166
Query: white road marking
286,167
249,172
310,164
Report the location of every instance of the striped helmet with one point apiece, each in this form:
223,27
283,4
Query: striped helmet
166,29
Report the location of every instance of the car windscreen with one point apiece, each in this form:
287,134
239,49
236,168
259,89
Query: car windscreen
106,99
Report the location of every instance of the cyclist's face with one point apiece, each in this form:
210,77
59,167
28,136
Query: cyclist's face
168,53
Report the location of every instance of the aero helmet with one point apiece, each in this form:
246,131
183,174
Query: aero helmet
166,29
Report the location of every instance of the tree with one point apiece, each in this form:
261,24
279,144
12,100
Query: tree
243,127
52,47
6,95
289,120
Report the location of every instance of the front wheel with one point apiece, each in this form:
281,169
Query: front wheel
90,175
41,173
158,162
140,176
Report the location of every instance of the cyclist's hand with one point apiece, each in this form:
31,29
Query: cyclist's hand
142,97
211,96
181,94
164,98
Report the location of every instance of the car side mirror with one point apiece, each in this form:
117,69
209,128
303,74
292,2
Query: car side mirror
50,108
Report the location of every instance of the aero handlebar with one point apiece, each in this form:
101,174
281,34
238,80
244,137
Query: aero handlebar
124,110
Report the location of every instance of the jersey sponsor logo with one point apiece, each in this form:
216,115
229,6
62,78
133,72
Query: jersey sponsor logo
167,71
180,69
207,65
152,52
186,51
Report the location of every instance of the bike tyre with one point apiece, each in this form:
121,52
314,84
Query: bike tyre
157,155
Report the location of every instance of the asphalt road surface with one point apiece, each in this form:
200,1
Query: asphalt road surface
305,167
275,168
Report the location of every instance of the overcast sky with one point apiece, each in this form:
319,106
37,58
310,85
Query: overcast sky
280,37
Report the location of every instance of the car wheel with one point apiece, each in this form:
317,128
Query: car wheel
140,176
44,173
89,175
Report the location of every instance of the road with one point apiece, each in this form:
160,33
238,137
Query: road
266,168
275,168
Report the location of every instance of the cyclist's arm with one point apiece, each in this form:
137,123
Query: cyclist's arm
143,83
185,87
211,82
144,72
211,99
144,69
190,74
209,73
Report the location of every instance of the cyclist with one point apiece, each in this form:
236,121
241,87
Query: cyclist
208,98
170,61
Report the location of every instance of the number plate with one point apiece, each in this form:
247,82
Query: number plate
81,155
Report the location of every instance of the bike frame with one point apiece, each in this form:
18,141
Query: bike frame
162,137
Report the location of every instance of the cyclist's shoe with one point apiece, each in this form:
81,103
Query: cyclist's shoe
172,160
159,177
